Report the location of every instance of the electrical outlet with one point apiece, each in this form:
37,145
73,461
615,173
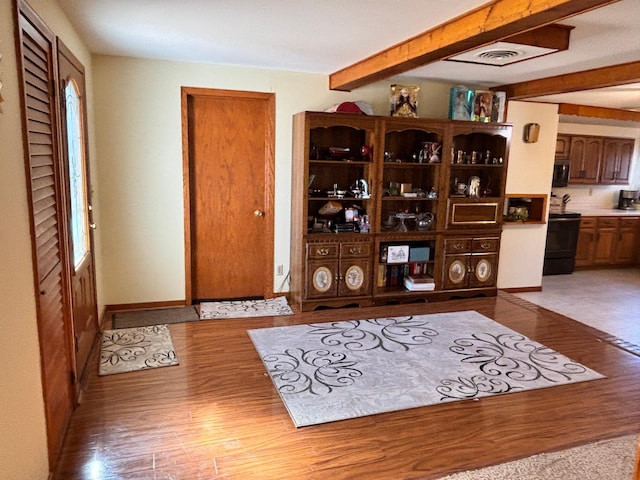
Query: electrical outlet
279,270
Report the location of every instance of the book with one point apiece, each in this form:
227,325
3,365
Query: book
422,283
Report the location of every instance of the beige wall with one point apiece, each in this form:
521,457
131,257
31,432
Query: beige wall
23,450
139,140
530,171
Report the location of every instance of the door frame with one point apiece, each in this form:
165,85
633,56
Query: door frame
269,177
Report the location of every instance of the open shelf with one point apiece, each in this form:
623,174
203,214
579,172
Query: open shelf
535,206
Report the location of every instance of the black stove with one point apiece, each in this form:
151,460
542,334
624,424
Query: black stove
562,240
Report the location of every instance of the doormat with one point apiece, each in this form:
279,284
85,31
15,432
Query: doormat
132,349
333,371
245,308
157,316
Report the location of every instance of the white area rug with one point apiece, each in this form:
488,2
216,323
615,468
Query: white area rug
605,460
140,348
337,370
245,308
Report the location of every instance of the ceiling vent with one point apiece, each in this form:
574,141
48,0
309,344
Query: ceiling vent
502,53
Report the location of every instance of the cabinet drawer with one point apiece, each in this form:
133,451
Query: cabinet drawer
348,250
473,214
629,222
485,244
322,250
457,245
607,222
588,222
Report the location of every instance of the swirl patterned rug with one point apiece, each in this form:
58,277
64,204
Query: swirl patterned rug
139,348
333,371
245,308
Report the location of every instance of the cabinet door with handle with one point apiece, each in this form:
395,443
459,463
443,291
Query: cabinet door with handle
483,270
354,277
455,272
322,279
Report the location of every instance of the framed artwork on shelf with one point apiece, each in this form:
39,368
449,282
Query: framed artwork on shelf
461,103
404,100
482,103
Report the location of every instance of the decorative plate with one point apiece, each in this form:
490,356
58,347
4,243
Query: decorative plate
354,278
457,271
483,270
322,279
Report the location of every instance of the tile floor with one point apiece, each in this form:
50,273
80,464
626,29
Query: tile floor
608,300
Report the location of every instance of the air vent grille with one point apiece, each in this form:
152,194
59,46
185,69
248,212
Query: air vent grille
499,54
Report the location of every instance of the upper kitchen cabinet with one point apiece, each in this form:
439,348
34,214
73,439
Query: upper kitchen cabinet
585,154
596,160
616,160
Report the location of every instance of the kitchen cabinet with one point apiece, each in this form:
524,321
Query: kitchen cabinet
585,154
616,160
627,242
586,241
596,160
363,183
608,241
563,144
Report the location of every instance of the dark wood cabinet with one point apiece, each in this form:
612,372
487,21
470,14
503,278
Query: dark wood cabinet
616,160
596,160
584,155
586,241
563,144
608,241
365,185
470,262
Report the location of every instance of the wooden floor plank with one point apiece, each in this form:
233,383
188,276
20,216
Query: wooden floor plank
218,416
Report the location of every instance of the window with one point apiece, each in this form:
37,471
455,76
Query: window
79,221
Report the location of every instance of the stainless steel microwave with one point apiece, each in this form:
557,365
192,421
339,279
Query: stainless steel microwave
561,173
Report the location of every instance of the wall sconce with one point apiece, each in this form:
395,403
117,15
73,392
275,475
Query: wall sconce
531,132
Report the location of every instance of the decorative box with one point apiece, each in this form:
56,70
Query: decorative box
419,254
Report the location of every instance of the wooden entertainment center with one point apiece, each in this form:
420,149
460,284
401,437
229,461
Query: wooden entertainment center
378,199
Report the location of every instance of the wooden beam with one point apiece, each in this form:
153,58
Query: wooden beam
494,21
598,112
613,75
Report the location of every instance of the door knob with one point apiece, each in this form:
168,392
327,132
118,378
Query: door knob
92,226
258,213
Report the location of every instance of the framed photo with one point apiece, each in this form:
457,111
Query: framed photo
398,254
404,101
461,103
498,107
482,103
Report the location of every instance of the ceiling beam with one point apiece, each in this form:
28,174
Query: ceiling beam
494,21
598,112
611,76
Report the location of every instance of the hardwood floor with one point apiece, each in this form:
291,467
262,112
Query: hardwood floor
218,416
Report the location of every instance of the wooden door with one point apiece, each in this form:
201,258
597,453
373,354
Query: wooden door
46,212
228,142
586,242
75,159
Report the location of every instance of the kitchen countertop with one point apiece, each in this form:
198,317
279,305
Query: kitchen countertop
604,212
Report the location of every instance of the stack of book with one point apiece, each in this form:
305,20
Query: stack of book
419,284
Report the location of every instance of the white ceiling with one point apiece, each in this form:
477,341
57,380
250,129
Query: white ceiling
323,36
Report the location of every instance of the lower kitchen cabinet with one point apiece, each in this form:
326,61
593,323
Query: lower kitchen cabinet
608,241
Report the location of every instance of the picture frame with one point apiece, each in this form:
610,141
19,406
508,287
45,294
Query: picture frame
482,104
404,101
461,103
398,254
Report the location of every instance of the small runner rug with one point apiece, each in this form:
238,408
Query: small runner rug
132,349
332,371
245,308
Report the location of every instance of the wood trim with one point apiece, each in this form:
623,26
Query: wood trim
598,112
522,289
126,307
494,21
613,75
269,178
